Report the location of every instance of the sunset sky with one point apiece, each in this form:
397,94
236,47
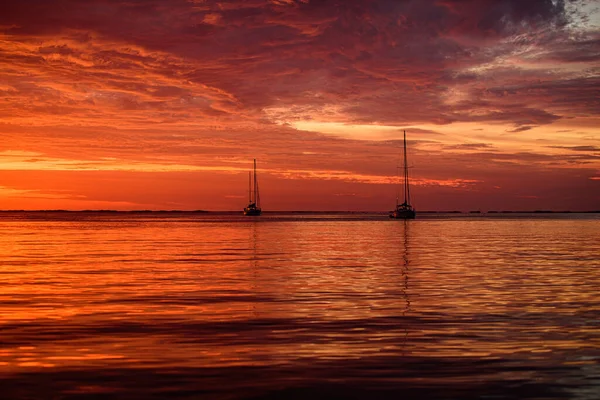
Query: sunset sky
163,104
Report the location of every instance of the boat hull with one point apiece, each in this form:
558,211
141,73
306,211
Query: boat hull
252,212
403,214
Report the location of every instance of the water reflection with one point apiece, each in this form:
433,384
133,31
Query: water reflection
449,309
405,274
405,268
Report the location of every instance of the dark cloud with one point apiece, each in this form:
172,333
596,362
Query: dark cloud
469,146
577,148
383,61
520,129
505,17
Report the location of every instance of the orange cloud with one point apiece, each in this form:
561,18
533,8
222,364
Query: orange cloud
492,93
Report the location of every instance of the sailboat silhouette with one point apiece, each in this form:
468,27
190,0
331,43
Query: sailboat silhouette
404,210
253,208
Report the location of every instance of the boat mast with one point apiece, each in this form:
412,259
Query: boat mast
397,187
257,196
406,187
249,187
255,185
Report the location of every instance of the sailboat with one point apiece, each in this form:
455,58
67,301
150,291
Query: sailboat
404,210
253,208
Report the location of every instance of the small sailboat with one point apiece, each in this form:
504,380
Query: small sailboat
253,208
404,210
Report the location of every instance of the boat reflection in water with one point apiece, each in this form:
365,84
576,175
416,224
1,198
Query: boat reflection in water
404,268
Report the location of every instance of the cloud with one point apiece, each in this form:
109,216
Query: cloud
228,61
520,129
505,17
320,87
577,148
469,146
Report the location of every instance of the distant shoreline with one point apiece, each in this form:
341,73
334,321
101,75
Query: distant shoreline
296,212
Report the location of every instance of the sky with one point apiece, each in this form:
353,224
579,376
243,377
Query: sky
163,104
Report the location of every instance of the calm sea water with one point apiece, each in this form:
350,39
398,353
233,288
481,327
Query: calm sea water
299,306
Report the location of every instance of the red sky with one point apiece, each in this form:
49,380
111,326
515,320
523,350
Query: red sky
162,104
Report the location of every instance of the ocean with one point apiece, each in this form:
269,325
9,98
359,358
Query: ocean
294,306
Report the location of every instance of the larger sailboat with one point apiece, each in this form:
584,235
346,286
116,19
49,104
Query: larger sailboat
404,210
253,208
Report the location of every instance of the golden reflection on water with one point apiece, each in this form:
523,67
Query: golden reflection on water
193,292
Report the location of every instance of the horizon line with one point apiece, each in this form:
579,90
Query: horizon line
148,211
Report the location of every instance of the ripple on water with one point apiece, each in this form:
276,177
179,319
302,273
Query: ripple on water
346,306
